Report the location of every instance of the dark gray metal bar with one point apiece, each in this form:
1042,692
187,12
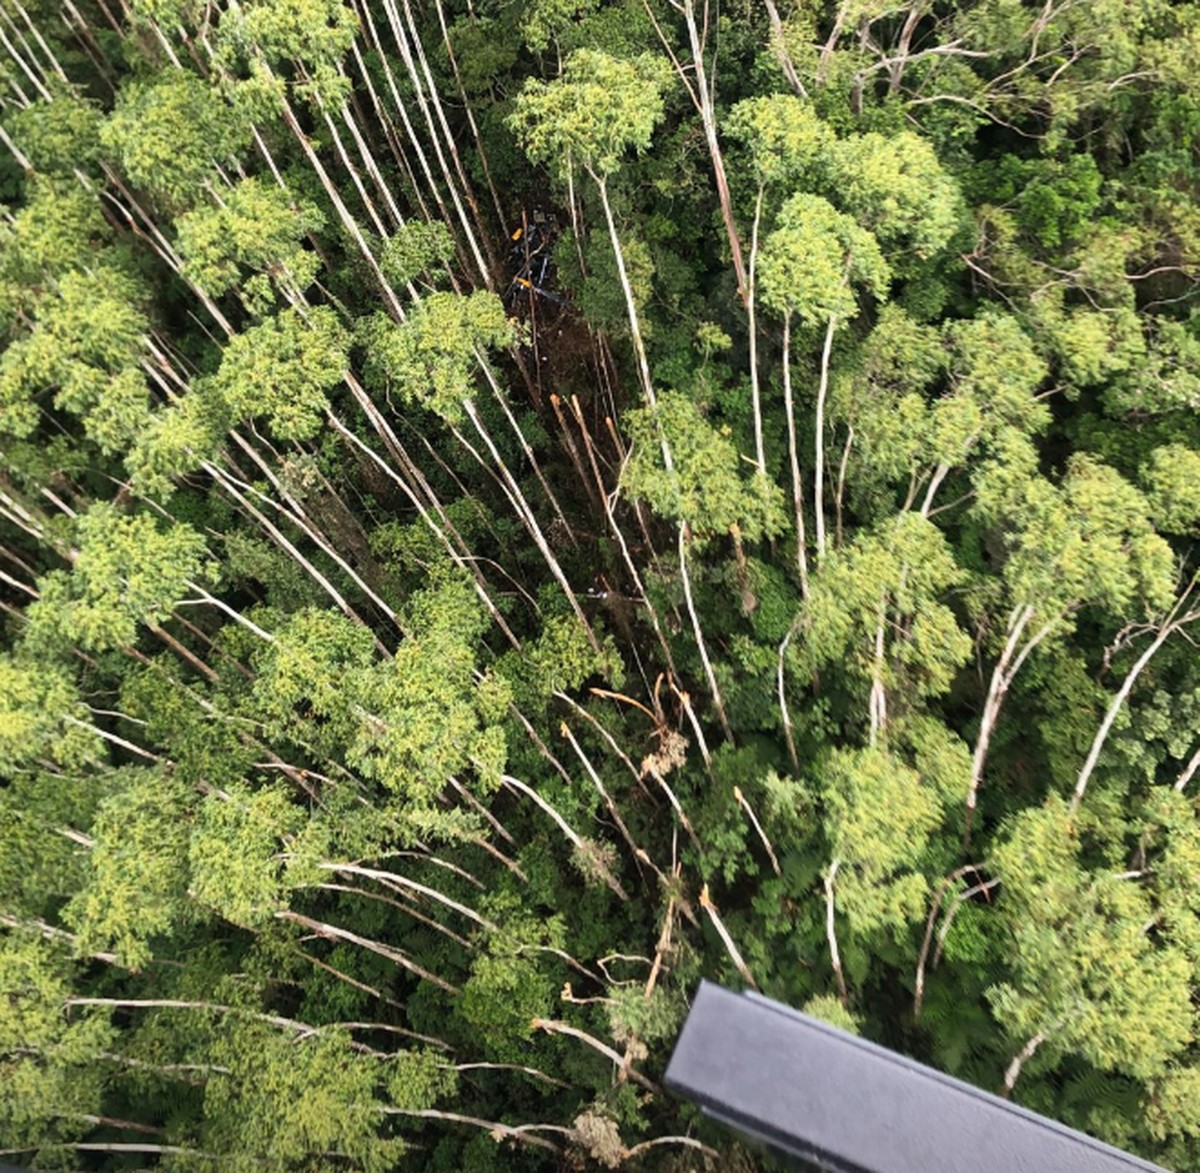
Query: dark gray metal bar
847,1105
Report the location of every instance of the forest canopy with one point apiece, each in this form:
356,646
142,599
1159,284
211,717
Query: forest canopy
511,507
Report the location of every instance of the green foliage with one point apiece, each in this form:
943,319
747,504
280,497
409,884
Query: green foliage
281,1104
256,227
84,346
1173,488
1054,200
431,357
59,135
895,187
878,817
812,260
892,579
1083,971
42,716
49,1059
508,988
169,131
234,851
127,570
597,110
255,726
561,659
136,884
422,717
284,369
415,247
1088,540
830,1010
543,20
788,144
704,485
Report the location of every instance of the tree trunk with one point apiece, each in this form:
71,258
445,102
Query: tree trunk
819,456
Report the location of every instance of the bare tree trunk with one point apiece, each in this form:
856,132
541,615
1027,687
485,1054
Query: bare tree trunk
752,334
794,457
1013,1072
878,700
1164,633
635,329
704,100
1188,772
819,456
718,703
835,957
1003,674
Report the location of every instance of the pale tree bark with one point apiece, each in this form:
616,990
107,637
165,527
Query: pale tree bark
794,458
752,336
835,956
819,455
1013,1071
1012,657
1173,623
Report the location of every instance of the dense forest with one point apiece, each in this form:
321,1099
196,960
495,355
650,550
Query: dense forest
509,507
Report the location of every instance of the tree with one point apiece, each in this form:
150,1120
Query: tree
126,571
284,368
254,227
1085,978
809,266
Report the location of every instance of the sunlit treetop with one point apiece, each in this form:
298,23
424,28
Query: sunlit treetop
600,108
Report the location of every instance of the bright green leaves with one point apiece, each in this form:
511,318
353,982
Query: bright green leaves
205,746
1090,540
878,818
41,864
136,883
85,347
544,20
814,258
415,247
1173,488
1172,836
507,988
168,132
431,358
127,571
283,369
258,227
316,34
992,409
1085,973
407,724
175,440
41,717
788,143
283,1104
421,717
599,108
876,607
304,674
419,1079
993,363
705,487
61,227
893,186
57,136
49,1059
559,660
235,852
896,188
